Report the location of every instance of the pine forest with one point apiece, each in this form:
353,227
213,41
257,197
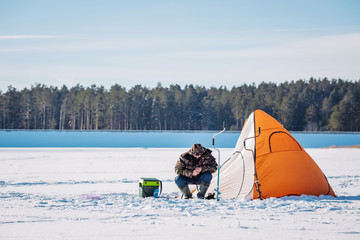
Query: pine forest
303,105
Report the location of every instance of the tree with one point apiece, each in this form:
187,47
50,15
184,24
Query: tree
312,118
346,114
12,109
26,107
193,107
178,109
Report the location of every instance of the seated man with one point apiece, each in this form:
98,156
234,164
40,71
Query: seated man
195,167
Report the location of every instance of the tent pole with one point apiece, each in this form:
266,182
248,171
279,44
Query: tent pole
218,171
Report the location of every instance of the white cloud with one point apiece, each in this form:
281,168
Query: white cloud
321,47
17,37
144,45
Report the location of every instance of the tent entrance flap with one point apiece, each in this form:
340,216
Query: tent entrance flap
236,178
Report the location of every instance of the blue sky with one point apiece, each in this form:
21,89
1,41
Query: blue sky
207,43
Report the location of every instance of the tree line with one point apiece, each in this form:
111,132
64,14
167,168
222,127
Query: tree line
312,105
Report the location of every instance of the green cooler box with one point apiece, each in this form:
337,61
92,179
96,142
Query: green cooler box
147,187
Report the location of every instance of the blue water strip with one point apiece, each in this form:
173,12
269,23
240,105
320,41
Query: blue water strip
155,139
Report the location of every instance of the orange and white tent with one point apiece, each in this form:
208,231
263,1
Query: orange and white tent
268,162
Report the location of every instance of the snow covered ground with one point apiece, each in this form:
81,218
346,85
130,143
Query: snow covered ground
42,196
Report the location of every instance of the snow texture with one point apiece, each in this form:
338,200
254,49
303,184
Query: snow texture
92,193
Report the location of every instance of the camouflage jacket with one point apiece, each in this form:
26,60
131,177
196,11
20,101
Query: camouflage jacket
187,163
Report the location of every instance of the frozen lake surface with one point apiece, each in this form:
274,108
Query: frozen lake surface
42,196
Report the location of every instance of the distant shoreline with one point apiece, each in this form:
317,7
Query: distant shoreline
350,146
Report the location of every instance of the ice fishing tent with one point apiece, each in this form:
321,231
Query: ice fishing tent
268,162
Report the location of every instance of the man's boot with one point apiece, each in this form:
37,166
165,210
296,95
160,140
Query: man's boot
203,188
186,191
